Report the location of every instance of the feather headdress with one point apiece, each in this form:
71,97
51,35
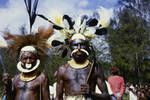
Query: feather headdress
37,40
87,26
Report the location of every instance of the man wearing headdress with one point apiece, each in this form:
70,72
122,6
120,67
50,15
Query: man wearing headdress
30,83
78,78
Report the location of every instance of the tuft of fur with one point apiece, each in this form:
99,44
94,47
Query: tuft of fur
38,40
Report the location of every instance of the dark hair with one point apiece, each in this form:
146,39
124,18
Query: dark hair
114,70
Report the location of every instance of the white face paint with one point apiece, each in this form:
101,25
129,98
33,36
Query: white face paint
28,60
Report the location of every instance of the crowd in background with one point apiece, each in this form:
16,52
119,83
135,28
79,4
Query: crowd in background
138,92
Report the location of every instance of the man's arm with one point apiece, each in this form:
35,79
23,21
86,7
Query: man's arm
103,88
8,86
45,88
59,86
100,81
122,87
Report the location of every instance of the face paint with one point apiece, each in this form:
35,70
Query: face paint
80,56
80,48
78,44
28,59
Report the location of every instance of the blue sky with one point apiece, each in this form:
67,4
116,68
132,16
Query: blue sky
3,3
13,13
93,3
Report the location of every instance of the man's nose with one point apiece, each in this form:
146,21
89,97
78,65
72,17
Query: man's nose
28,61
78,47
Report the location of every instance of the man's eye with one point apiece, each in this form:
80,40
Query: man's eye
75,45
24,58
31,58
82,46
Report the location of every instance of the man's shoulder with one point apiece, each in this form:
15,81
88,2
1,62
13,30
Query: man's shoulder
119,77
63,67
42,76
16,77
115,77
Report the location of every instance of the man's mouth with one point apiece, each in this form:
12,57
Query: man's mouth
28,66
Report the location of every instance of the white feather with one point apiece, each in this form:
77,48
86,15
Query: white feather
3,42
65,24
56,36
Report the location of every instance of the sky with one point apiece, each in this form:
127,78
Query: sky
13,13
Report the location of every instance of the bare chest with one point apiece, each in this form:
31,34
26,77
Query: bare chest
77,75
27,85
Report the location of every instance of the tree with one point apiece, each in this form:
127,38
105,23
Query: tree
129,37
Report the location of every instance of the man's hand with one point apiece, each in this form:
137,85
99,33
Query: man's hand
118,96
85,88
6,79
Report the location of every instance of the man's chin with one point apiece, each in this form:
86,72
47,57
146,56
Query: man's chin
80,61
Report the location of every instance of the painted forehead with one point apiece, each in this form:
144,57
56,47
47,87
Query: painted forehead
28,49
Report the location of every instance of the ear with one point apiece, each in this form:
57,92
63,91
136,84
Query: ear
56,43
92,22
101,31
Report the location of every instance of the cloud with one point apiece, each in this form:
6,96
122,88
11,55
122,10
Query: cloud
83,3
14,14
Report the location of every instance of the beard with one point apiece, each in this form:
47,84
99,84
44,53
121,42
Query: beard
80,56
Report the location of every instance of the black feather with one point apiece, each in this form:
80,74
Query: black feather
84,17
67,41
31,11
57,27
92,22
101,31
35,6
42,16
56,43
69,19
64,53
54,25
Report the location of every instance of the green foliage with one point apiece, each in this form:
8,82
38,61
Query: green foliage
129,39
8,64
51,65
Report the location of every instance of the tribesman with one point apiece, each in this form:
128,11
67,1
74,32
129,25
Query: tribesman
30,83
77,79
